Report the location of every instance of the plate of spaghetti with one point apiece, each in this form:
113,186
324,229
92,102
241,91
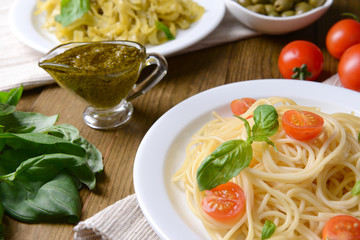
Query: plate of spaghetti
165,27
292,182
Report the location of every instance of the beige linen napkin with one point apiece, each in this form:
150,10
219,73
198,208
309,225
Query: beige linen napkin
18,63
124,219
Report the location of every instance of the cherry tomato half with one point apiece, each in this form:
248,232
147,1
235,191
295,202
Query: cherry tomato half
297,53
349,68
240,106
225,202
302,125
341,36
342,227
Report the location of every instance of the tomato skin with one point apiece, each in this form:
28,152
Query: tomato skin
225,202
349,68
342,227
240,106
302,125
297,53
342,35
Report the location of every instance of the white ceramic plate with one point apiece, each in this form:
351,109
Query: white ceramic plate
162,150
27,27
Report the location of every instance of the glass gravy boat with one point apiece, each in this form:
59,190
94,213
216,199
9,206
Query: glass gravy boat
105,75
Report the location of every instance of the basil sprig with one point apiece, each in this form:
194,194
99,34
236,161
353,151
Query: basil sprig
232,156
162,27
72,10
268,230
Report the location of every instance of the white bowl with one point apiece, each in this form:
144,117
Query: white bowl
275,25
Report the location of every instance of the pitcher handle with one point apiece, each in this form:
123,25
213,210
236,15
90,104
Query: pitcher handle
155,76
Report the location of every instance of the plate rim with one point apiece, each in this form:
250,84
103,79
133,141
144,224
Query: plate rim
26,32
159,222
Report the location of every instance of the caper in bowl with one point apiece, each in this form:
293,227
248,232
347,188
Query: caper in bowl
277,16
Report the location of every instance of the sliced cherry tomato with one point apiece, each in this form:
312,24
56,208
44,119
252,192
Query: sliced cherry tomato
342,227
225,202
296,55
342,35
302,125
349,68
240,106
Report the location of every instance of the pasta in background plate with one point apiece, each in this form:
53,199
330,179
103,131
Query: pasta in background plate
298,187
132,20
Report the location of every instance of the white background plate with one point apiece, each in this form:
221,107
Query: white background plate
162,150
27,27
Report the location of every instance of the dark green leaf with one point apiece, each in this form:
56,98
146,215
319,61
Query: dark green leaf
31,201
11,97
39,143
6,109
71,134
266,122
268,230
71,10
23,122
162,27
224,163
356,189
45,167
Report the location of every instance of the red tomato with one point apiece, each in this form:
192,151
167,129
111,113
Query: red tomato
342,227
349,68
297,53
302,125
225,202
240,106
341,36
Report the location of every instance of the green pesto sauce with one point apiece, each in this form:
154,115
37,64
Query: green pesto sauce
101,73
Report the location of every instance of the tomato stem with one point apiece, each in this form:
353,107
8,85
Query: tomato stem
301,72
351,15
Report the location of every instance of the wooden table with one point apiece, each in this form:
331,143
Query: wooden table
188,74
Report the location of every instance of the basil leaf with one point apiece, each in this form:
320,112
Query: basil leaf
268,230
6,109
33,201
2,231
224,163
39,143
162,27
266,122
45,167
23,122
71,10
71,134
11,97
356,189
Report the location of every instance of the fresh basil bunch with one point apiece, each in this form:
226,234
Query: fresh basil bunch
42,165
232,156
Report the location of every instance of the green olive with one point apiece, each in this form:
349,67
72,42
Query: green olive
283,5
244,3
258,8
302,7
316,3
288,13
273,14
254,2
269,8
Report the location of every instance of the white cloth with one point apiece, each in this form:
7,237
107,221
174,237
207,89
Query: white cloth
19,63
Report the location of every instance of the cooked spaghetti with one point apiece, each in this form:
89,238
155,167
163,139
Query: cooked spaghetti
132,20
298,186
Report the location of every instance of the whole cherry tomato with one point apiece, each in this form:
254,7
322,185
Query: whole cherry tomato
303,57
341,36
342,227
349,68
225,202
